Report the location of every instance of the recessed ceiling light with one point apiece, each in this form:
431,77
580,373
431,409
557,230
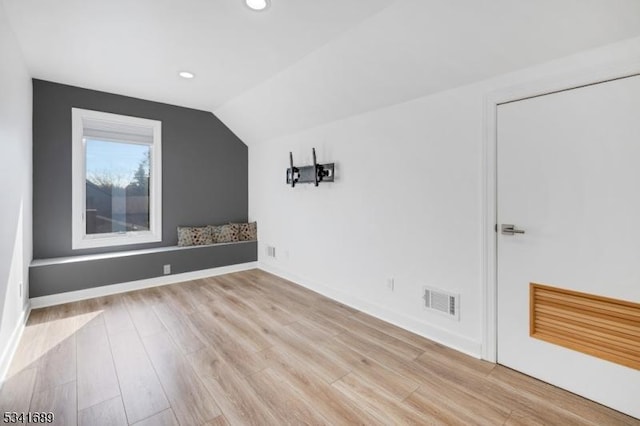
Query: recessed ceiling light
186,74
257,4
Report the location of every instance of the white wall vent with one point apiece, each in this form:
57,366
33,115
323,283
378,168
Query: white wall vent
442,302
271,251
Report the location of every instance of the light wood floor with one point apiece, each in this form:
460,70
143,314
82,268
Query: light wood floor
251,348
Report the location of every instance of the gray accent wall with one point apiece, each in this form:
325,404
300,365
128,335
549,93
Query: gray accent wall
204,166
51,278
204,181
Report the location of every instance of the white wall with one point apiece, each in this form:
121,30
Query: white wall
15,188
407,203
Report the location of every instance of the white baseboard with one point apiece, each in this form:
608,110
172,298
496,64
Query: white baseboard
445,337
106,290
7,354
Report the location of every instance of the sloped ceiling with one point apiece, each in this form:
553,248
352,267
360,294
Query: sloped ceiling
137,47
302,63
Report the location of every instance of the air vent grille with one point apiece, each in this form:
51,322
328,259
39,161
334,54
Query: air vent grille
442,302
599,326
271,251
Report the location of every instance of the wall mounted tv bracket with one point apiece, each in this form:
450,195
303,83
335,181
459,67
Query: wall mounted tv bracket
309,174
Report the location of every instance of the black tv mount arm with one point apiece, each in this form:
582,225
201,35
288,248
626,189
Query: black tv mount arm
320,172
294,171
310,174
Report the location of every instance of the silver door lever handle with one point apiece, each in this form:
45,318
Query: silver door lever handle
510,230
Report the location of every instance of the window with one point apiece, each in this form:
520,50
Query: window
117,174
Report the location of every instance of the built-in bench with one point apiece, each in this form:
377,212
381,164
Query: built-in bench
69,274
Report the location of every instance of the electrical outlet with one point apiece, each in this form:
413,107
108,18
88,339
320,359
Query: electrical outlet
391,284
166,269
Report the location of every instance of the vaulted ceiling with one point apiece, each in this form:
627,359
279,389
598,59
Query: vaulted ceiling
302,63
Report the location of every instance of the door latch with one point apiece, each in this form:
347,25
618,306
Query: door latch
510,229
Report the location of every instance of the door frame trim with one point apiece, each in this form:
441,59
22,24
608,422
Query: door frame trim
489,236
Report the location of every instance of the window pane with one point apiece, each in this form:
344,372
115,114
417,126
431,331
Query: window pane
117,187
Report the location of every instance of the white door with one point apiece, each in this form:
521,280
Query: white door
569,176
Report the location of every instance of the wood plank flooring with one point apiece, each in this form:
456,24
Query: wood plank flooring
250,348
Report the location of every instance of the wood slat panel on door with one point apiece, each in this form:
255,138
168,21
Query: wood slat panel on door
595,325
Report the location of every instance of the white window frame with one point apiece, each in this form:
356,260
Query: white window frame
80,239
